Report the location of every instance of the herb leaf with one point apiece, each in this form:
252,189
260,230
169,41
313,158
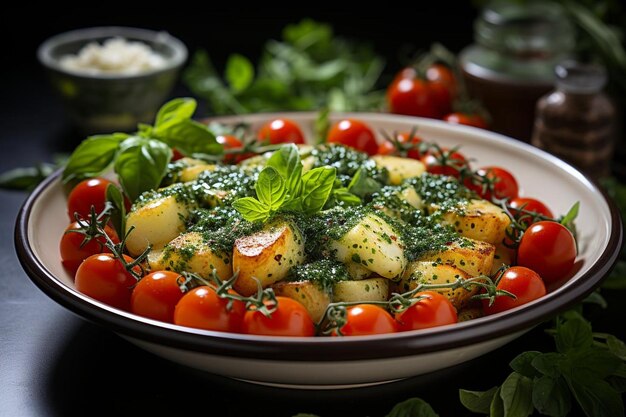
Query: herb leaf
496,408
548,363
573,334
317,185
286,161
477,401
92,156
26,178
189,137
522,364
252,209
363,186
516,394
270,188
571,214
551,396
174,111
596,397
141,165
413,407
118,215
239,72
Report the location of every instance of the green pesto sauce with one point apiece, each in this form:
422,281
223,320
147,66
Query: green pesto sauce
324,273
184,256
227,178
443,191
182,193
220,227
173,171
347,161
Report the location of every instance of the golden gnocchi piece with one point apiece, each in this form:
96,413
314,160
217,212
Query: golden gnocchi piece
399,168
371,289
310,295
471,256
479,220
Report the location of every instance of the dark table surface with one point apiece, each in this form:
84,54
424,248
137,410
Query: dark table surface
53,363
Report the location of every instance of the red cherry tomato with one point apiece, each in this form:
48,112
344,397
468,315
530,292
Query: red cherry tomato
367,319
445,163
85,194
232,142
176,155
355,134
405,139
413,97
547,248
280,131
155,296
202,308
73,252
524,283
466,119
104,278
438,73
504,183
531,205
289,319
432,310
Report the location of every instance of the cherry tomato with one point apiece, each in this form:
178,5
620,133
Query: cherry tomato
280,131
73,252
524,283
504,186
155,296
438,73
445,163
389,148
432,310
466,119
202,308
85,194
104,278
290,319
366,319
232,142
355,134
547,248
176,155
532,205
413,97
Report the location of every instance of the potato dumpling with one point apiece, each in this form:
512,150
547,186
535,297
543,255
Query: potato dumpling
479,220
267,256
399,168
309,294
371,289
471,256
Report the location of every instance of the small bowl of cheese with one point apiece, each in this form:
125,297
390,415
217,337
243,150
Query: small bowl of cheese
111,78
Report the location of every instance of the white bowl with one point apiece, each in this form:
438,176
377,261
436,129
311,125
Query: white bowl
348,361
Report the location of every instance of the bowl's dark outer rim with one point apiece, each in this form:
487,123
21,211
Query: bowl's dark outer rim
314,349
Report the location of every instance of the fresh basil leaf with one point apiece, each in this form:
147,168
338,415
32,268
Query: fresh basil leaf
189,137
618,379
251,209
294,205
239,72
25,178
92,156
270,188
516,393
617,278
317,186
549,363
322,125
551,396
594,360
596,397
477,401
286,161
571,214
572,335
141,164
496,408
597,299
616,346
413,407
522,364
118,215
181,108
363,186
342,197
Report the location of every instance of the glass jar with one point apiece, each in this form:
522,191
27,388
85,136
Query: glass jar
511,64
576,121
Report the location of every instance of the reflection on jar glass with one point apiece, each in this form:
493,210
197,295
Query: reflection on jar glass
511,64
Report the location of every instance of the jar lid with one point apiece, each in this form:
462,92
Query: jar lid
576,77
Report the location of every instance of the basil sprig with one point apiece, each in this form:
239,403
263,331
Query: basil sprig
140,160
282,187
587,367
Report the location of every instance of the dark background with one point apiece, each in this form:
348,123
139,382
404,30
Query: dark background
53,363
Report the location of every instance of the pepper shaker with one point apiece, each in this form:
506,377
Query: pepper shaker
576,121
